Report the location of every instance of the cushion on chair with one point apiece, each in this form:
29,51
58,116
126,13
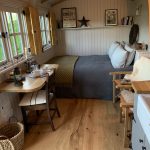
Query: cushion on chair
128,96
34,98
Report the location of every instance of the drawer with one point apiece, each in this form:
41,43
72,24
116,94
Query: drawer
137,135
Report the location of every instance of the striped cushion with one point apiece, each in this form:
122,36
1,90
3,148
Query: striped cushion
34,98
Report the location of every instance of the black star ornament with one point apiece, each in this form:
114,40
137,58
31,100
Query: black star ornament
83,22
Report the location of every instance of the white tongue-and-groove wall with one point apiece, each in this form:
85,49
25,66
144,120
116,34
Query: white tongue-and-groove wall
97,39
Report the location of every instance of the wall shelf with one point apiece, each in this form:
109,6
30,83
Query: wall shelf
90,28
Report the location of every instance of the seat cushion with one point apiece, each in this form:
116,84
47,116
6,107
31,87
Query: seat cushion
128,96
34,98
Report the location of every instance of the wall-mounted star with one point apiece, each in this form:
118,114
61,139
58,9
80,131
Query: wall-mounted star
83,22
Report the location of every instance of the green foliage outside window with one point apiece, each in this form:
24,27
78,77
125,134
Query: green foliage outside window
1,51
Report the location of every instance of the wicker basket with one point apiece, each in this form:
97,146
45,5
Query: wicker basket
14,133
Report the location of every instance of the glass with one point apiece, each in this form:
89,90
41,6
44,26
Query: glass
9,22
15,22
42,22
48,36
43,38
13,47
2,55
19,44
47,23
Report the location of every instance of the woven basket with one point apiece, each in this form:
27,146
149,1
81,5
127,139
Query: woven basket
14,133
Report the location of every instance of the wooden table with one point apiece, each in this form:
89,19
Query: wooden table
141,87
30,84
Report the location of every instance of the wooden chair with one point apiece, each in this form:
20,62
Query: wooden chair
41,100
116,79
126,112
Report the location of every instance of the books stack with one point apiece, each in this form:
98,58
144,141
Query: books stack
127,20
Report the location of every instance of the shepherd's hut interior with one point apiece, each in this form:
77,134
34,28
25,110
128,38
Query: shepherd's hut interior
74,75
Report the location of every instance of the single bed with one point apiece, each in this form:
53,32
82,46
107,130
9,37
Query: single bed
88,76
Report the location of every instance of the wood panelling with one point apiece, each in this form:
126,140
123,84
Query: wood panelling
91,41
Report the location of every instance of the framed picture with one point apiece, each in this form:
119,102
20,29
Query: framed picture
111,17
69,17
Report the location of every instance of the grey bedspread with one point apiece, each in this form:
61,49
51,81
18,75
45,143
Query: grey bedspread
92,79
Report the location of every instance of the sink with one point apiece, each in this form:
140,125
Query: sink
143,113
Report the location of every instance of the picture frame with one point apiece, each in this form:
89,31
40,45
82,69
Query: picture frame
69,17
111,17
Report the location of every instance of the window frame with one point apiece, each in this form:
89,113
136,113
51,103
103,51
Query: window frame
11,60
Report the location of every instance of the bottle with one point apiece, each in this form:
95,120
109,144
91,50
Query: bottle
17,77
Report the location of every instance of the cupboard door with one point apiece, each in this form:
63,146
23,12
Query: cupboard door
137,135
147,144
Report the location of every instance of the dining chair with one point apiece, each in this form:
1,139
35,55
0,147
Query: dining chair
41,100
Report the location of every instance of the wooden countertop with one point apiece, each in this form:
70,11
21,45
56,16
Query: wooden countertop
30,84
141,87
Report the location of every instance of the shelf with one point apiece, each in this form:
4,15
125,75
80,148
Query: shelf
89,28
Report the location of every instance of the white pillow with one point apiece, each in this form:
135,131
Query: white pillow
112,48
131,54
128,48
119,57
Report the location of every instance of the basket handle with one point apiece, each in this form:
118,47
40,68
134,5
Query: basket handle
3,137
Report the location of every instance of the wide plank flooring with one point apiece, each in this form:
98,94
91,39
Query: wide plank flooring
84,125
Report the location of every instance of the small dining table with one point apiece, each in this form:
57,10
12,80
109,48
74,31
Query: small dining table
30,84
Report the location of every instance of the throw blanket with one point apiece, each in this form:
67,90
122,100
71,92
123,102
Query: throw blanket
92,79
64,73
141,70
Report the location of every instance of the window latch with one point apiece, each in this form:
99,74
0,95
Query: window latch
4,34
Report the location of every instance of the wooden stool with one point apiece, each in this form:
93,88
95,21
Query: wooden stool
126,111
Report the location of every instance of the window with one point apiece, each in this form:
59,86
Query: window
15,34
2,52
13,37
45,31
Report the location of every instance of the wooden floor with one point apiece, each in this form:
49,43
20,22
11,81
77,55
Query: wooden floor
84,125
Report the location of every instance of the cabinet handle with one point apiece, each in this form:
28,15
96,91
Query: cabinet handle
141,141
143,148
133,118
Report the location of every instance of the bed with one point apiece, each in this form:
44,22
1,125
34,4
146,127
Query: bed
88,76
